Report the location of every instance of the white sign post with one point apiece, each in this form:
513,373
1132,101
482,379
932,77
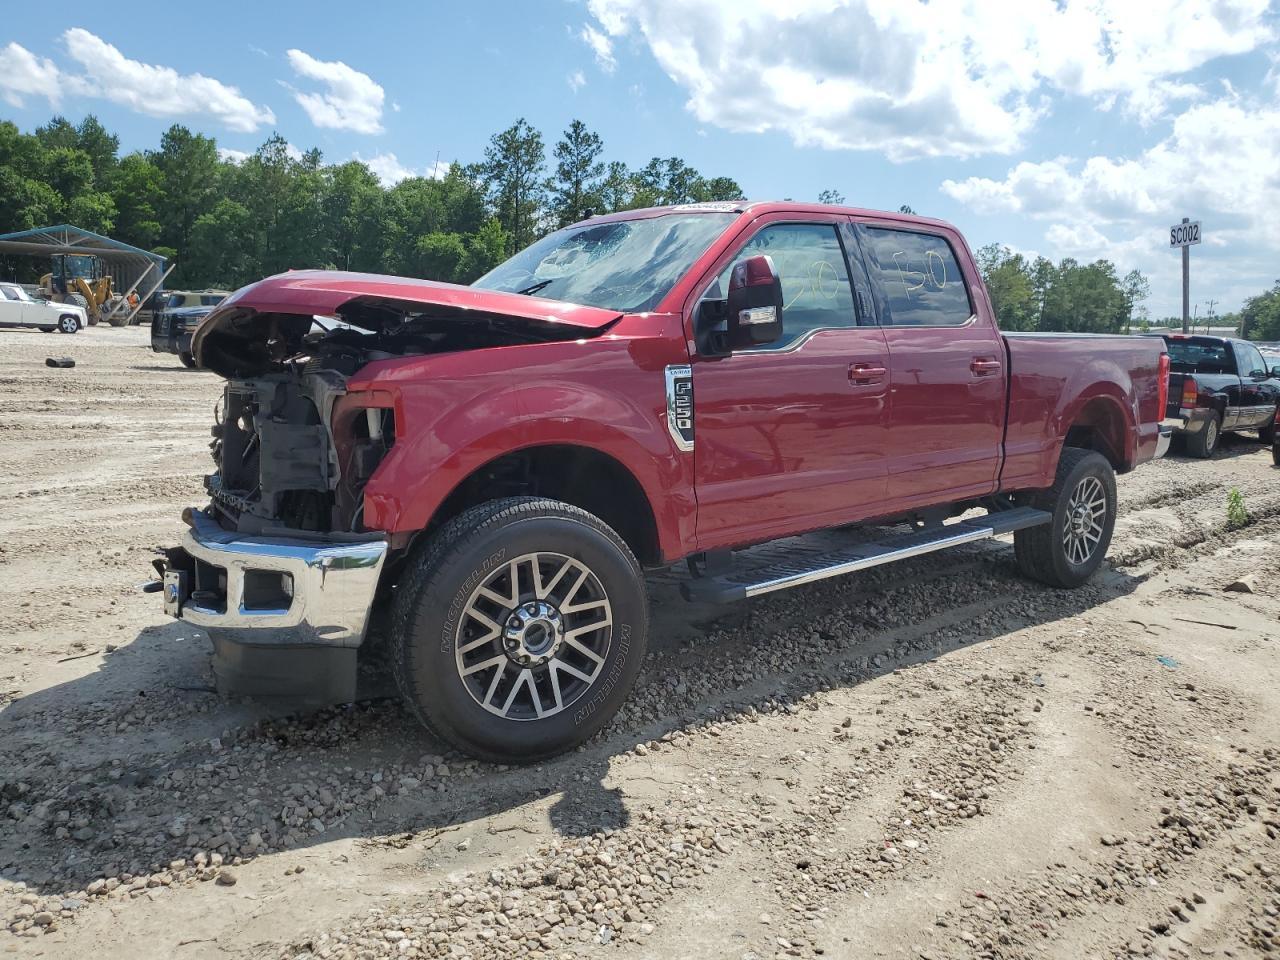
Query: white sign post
1183,235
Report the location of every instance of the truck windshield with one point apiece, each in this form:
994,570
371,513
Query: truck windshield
625,265
1199,355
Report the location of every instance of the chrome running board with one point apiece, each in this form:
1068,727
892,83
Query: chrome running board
806,568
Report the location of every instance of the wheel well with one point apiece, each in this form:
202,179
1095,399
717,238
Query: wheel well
581,476
1100,426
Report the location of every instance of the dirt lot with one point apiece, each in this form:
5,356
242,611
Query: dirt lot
933,760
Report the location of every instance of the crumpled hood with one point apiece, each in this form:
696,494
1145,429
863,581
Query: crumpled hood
243,335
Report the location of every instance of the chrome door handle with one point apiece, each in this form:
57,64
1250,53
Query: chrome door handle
861,374
984,366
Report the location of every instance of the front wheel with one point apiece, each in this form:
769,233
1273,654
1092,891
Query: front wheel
68,324
519,628
1066,551
187,359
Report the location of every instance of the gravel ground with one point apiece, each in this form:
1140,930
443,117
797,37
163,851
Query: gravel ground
936,759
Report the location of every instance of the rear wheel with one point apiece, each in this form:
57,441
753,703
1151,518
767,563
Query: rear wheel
1066,551
1267,434
1204,442
68,323
518,629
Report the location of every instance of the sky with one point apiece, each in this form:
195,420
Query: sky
1081,128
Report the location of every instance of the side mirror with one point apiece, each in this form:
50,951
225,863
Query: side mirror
754,308
1275,371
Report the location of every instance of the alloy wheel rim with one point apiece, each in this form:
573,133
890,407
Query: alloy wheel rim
1086,516
534,636
69,326
1212,437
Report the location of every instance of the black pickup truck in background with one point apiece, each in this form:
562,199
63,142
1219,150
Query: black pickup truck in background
1217,385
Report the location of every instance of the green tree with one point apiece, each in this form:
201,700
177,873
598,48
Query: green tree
189,183
93,210
137,189
440,256
617,190
485,250
353,205
576,188
219,255
69,171
100,146
1260,315
1136,288
1008,282
1086,299
513,169
717,189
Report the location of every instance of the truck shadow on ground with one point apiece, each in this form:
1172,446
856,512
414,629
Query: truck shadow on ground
139,763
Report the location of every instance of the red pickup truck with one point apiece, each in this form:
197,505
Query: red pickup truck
493,466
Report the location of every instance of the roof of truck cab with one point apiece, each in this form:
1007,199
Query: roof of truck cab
759,207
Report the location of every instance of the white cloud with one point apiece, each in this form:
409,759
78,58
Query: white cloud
352,101
576,80
157,91
23,74
918,78
107,74
388,168
1217,165
231,155
601,46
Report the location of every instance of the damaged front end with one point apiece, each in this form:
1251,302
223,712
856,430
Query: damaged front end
279,568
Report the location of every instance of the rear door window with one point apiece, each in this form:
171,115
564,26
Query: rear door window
920,278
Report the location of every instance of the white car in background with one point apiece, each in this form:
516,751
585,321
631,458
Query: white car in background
18,309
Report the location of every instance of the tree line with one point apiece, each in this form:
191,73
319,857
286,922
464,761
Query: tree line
1067,296
227,222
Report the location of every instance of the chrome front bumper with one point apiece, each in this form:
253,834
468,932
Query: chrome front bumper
261,591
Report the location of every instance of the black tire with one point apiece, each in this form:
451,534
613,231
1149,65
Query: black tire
1267,434
78,300
1042,552
187,359
68,323
1204,442
430,619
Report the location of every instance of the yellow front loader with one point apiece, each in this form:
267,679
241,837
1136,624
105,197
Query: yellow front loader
80,280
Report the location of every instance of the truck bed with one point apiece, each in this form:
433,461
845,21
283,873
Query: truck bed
1054,377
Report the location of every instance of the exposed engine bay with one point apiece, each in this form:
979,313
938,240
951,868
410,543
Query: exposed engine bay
280,466
278,463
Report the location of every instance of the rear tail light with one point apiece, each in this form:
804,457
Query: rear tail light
1190,392
1162,377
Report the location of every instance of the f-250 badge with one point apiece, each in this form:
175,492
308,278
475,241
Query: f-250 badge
680,405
